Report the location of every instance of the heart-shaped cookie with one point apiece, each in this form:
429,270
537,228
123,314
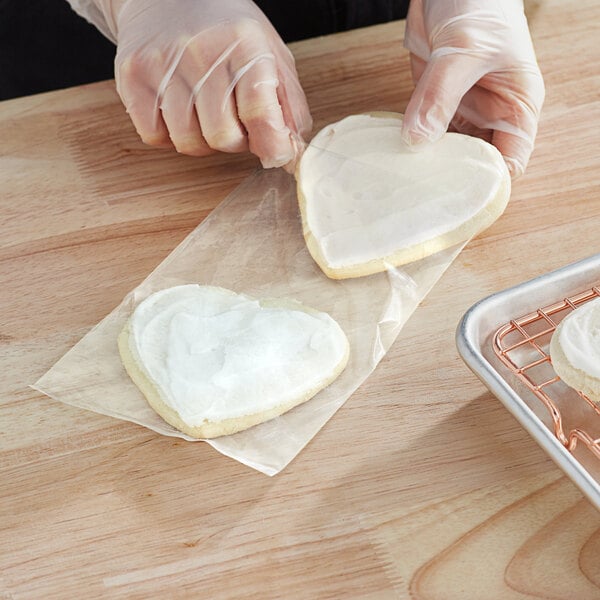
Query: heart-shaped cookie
370,202
212,362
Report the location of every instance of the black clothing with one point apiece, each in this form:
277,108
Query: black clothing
310,18
44,45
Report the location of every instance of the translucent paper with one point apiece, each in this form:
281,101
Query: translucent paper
253,244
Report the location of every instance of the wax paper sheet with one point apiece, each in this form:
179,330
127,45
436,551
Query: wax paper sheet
252,243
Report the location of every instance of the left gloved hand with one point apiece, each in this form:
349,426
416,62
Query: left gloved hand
205,76
475,69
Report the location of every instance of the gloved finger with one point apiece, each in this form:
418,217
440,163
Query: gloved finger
516,138
300,126
437,95
219,121
460,124
515,149
512,119
415,36
296,115
180,117
214,99
292,99
261,114
417,67
138,82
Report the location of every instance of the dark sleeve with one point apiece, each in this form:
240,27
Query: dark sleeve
311,18
44,45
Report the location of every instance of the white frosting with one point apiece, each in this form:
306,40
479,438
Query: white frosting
579,338
368,194
215,354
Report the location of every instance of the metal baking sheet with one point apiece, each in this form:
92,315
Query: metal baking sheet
474,340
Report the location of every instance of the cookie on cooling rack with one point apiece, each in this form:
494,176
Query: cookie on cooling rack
575,349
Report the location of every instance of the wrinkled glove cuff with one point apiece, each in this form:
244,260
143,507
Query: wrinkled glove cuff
99,13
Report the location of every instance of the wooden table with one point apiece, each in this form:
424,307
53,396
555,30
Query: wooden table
422,486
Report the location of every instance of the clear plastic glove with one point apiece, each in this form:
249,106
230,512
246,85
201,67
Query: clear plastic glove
206,75
475,70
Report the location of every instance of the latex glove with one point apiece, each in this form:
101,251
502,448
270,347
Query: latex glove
475,69
206,75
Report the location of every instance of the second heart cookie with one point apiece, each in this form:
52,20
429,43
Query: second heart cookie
370,202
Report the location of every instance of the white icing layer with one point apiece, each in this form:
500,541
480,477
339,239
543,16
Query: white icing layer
579,338
215,354
369,195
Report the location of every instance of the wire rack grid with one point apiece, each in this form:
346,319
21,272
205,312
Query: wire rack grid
522,345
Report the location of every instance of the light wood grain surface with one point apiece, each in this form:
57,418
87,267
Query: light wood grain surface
422,486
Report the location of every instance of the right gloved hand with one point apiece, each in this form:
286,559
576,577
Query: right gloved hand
475,68
206,75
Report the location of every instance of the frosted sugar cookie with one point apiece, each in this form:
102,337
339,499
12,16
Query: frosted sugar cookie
369,202
212,362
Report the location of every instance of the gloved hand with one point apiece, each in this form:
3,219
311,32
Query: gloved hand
475,69
206,75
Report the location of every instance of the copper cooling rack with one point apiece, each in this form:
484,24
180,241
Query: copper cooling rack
522,345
